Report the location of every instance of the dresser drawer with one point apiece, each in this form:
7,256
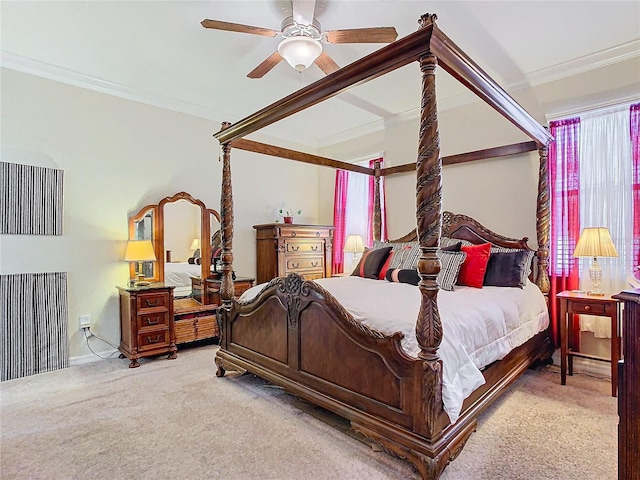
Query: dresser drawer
305,232
153,339
293,264
312,275
298,247
152,320
590,309
152,300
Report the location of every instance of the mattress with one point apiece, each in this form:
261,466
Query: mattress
480,325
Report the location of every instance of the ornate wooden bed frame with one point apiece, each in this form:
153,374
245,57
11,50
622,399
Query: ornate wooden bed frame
296,335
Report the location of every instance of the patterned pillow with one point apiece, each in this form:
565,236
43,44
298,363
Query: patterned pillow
404,255
447,241
530,254
450,263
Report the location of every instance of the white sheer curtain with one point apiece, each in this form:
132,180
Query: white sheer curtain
606,199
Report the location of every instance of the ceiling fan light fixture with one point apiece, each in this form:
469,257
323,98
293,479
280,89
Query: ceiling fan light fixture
300,51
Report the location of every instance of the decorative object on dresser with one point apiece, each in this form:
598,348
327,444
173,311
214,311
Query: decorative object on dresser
628,388
139,251
595,242
146,322
290,248
287,215
572,303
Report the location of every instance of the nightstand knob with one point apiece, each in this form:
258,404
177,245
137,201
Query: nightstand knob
587,307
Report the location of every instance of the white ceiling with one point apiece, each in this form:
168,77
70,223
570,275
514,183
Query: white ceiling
157,52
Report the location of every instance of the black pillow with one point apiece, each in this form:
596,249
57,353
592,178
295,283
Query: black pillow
506,269
455,247
371,263
403,275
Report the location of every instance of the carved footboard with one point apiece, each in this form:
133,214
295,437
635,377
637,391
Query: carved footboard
296,335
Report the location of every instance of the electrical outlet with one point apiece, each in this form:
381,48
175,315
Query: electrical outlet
85,321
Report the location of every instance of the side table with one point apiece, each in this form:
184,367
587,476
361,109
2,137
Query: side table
580,303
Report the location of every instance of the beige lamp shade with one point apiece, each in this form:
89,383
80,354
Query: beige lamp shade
354,244
139,251
195,244
595,242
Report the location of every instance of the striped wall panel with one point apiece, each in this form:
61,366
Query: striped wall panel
30,200
33,323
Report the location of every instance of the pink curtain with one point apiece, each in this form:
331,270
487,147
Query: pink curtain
635,180
564,179
339,220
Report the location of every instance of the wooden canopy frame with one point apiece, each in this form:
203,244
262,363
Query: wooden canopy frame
431,443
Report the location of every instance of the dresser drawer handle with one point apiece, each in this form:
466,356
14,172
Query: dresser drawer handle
295,248
295,265
317,234
150,322
155,339
587,308
293,234
314,264
155,303
314,248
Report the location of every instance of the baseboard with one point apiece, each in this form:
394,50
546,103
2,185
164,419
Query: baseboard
586,366
84,359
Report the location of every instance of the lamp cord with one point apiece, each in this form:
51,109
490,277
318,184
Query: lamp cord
88,334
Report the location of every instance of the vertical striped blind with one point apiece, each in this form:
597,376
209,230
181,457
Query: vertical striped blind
33,323
30,200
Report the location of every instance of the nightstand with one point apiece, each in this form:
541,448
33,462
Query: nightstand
146,322
572,303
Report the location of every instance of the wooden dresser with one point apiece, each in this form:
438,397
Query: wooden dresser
146,322
290,248
628,388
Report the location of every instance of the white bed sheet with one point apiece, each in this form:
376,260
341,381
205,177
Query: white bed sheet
479,326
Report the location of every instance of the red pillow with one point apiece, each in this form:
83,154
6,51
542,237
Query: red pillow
385,267
475,265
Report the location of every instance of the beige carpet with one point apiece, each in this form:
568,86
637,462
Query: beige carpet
176,420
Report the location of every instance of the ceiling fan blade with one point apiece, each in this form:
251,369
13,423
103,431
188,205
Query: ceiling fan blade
363,35
238,27
303,11
265,66
326,64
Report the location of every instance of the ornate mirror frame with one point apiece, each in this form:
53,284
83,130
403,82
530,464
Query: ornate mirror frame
157,213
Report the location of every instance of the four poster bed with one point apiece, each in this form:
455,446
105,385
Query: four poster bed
297,334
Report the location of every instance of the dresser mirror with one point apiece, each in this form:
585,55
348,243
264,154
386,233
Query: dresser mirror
181,229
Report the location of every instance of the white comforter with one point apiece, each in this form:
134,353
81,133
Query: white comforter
480,326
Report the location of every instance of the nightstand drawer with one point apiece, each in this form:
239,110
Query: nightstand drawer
153,320
587,309
303,247
155,339
152,300
304,263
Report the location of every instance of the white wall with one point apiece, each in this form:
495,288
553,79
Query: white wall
118,156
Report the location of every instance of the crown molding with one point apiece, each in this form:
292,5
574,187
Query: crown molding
77,79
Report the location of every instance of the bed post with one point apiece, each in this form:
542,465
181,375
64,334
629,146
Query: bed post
226,225
377,209
543,222
429,223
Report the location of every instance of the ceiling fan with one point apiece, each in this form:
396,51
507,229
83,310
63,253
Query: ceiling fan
302,39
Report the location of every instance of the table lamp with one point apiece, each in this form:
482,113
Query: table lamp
355,246
140,251
195,246
595,242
